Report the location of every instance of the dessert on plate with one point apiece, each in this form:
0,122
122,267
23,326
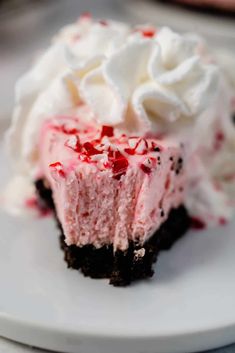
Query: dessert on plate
126,133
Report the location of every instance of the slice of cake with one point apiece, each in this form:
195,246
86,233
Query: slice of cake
115,125
111,194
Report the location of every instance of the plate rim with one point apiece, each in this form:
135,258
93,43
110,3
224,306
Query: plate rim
55,339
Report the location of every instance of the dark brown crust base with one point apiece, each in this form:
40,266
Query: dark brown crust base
120,267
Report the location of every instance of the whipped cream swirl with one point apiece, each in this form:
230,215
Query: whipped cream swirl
136,79
149,83
139,80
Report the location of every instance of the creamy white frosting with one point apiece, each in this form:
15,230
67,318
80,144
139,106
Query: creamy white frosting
211,169
164,83
128,80
148,84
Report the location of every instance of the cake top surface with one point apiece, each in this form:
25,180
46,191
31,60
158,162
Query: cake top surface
71,143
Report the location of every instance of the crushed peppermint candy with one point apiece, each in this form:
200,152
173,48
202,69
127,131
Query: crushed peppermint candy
58,168
148,32
104,151
68,129
106,131
85,16
142,146
148,164
132,141
197,223
119,166
101,160
90,150
145,169
74,143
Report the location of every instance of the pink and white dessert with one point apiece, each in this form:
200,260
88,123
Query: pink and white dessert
113,189
127,134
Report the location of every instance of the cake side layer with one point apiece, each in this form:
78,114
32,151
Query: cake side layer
109,189
136,263
121,267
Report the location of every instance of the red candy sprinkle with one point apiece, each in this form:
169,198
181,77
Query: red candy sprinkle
114,154
110,153
118,163
132,141
90,150
106,131
118,155
119,166
145,169
86,15
149,32
130,151
197,223
34,204
69,131
66,129
58,167
73,143
148,165
142,146
31,202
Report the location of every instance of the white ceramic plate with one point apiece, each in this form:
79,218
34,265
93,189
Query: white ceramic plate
188,305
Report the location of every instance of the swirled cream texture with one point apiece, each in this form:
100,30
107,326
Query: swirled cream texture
140,80
137,79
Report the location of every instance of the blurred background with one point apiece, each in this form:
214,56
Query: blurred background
26,26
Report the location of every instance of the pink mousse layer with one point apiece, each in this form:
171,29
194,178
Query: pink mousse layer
109,189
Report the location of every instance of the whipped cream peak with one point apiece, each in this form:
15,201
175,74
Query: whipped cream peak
168,81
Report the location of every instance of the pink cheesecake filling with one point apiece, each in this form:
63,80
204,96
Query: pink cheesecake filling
109,189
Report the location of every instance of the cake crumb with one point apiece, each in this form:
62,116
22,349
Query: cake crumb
139,253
